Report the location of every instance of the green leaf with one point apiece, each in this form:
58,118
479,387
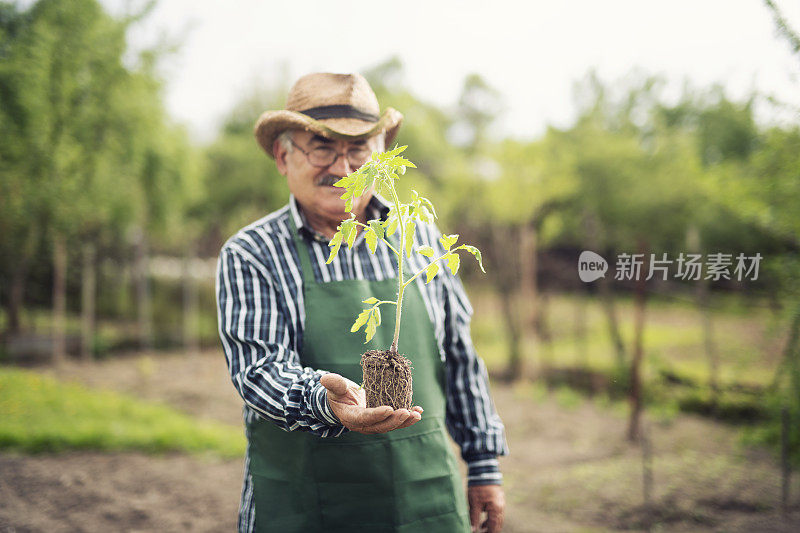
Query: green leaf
371,300
431,272
427,251
411,228
335,243
393,152
427,203
377,311
392,226
344,228
402,161
360,183
360,321
424,215
368,185
371,327
345,181
477,253
351,236
372,240
448,240
452,262
377,228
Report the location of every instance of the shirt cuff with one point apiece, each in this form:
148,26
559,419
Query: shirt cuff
483,469
321,408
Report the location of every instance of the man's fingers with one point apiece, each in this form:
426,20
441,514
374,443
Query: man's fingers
334,383
374,415
394,421
356,418
494,522
475,508
413,419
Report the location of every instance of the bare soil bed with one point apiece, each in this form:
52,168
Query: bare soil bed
89,491
570,468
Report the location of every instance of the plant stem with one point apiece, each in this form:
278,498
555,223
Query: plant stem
400,287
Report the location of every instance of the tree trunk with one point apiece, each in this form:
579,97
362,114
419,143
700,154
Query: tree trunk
703,297
59,298
544,324
19,276
16,296
610,310
124,289
88,294
511,317
143,303
190,306
507,284
528,283
790,362
581,347
606,291
638,349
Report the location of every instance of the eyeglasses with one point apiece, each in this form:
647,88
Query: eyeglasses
325,156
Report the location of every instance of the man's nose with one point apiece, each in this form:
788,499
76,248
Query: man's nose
341,167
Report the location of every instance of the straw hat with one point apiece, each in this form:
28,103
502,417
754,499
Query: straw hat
339,106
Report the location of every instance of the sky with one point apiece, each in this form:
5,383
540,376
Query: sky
533,52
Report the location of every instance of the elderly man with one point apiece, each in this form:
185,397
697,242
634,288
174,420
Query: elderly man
318,459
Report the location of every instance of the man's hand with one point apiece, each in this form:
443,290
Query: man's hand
489,498
349,403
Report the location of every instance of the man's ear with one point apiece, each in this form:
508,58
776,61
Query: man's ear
280,156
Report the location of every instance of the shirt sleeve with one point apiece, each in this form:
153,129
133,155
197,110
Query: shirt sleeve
256,338
471,417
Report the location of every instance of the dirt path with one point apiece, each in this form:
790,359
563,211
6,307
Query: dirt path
569,468
117,492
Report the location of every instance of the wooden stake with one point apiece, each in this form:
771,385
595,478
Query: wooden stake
88,296
647,464
786,468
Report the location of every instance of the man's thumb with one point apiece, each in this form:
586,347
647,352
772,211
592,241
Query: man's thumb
334,383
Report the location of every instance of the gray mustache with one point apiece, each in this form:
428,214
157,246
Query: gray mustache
330,179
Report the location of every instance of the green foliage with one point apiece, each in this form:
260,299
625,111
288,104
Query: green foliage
89,154
381,172
42,414
240,184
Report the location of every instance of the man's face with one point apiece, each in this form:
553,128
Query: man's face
311,185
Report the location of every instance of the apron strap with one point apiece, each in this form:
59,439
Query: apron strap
306,272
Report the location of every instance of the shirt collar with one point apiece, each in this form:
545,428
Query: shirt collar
377,208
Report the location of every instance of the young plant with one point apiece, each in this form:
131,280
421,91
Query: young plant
383,170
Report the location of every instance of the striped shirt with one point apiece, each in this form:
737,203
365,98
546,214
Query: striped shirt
261,314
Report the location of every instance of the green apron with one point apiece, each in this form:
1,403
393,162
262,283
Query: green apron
403,481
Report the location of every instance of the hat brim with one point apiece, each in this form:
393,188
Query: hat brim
273,123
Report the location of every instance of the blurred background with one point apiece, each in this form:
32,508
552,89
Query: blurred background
127,159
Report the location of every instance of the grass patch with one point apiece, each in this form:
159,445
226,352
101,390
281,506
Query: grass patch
568,398
41,414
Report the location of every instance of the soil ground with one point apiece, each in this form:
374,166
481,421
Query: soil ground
570,468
